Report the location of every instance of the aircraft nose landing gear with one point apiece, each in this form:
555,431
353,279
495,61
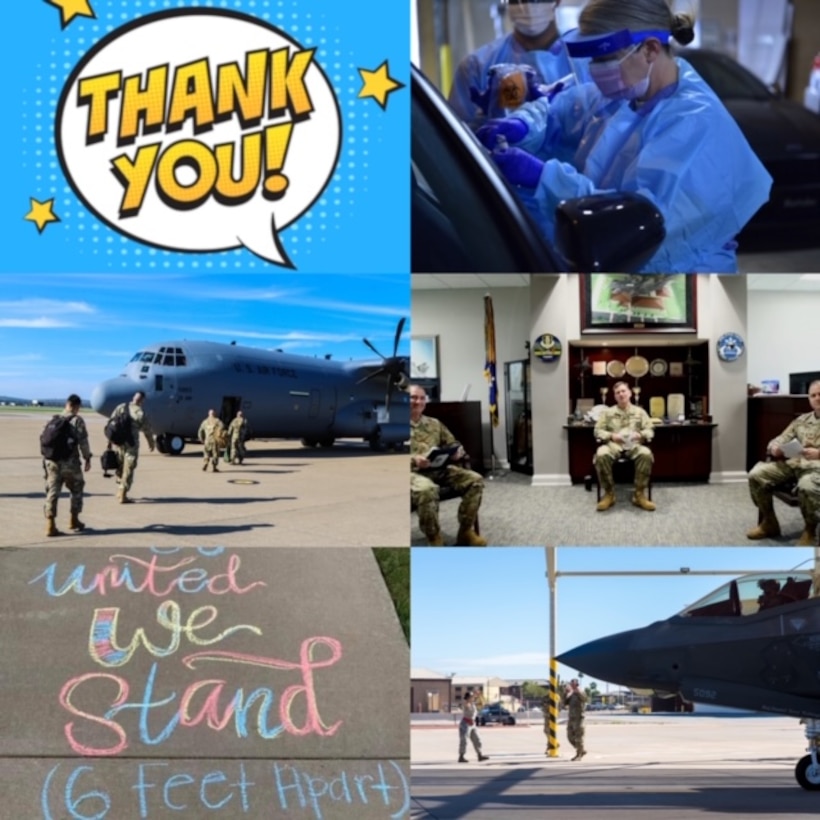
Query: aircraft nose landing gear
807,771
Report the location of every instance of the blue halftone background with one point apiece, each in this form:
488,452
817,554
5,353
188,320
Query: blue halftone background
361,221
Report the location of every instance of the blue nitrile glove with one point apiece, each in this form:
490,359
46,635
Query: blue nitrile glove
480,98
519,166
511,128
536,90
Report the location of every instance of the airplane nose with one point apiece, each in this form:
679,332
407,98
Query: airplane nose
108,394
611,659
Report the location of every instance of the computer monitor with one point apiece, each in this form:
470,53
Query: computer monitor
799,382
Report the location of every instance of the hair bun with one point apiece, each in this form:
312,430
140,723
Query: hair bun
683,30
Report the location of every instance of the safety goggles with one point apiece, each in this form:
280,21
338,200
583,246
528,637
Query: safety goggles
602,45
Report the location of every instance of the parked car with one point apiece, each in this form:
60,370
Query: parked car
786,138
466,218
495,713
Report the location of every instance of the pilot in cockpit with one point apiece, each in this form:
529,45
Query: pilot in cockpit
770,595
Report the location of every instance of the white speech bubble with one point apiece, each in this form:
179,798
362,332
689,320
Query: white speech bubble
88,145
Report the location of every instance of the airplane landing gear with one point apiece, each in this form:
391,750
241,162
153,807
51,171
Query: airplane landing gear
807,771
170,444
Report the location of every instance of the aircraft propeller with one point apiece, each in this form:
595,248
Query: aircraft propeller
394,367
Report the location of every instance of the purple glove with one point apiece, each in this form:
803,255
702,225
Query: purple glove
519,167
535,88
511,128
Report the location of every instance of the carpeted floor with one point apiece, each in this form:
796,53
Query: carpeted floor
513,513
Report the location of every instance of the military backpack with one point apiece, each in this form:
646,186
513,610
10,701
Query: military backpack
118,428
58,439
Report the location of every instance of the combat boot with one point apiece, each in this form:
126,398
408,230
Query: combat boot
579,755
482,757
51,527
808,536
639,499
468,537
205,467
607,501
216,469
436,539
769,527
122,497
462,759
76,524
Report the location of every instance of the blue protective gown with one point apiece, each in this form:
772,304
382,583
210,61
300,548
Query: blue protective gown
681,149
551,64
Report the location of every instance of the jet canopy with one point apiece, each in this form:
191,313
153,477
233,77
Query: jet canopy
754,593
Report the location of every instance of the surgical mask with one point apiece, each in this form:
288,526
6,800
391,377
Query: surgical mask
609,78
531,19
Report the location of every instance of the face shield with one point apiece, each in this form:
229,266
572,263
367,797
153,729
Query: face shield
605,60
529,17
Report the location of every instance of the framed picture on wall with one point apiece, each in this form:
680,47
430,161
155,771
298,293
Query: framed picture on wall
638,303
424,357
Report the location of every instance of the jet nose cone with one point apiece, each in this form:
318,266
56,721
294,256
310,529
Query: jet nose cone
610,659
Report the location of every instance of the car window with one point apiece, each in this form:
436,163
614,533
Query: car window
464,217
728,79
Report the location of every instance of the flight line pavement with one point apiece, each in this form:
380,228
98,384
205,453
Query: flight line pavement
282,495
671,767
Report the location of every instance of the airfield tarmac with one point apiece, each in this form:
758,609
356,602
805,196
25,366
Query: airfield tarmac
670,767
283,495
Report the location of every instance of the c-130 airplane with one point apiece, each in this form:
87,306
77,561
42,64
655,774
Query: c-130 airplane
753,643
282,395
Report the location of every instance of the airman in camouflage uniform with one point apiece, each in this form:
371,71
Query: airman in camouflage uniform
128,453
69,472
612,428
575,700
805,468
238,432
212,435
466,729
426,433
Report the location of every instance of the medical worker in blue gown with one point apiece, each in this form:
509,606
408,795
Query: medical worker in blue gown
646,124
534,42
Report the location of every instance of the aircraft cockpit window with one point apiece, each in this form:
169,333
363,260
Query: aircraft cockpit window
181,361
136,357
752,594
168,360
147,357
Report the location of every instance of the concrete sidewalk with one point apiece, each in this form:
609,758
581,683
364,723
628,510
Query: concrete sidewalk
253,683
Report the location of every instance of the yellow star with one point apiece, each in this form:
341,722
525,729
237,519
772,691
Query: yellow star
41,213
69,9
378,84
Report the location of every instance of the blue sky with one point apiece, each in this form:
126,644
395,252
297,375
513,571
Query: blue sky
485,612
64,333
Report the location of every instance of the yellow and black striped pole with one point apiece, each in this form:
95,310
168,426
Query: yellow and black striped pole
551,711
551,714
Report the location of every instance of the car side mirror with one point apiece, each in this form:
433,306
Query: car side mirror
608,232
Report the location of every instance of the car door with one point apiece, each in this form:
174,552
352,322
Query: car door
464,216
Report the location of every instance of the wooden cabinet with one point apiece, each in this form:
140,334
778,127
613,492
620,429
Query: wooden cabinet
679,368
683,452
767,417
463,420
